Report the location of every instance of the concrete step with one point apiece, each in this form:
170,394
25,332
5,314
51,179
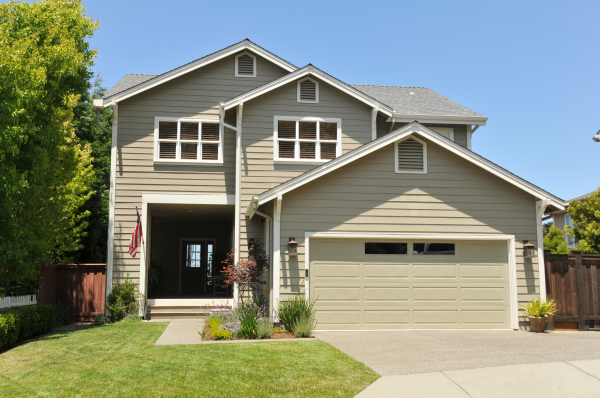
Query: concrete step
177,312
175,315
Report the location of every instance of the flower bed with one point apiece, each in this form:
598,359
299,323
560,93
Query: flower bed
250,320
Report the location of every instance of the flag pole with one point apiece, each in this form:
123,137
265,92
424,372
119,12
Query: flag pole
138,214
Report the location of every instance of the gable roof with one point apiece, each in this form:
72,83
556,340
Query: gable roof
126,82
391,138
316,72
422,101
143,85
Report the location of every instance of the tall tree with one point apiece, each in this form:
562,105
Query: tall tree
45,173
546,227
84,121
555,242
586,220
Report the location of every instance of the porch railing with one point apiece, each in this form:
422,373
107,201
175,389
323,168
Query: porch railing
17,301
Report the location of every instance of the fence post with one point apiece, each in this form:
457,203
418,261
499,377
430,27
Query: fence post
549,285
580,283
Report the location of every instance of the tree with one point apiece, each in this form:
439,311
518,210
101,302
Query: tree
84,122
246,274
546,227
555,242
586,219
45,173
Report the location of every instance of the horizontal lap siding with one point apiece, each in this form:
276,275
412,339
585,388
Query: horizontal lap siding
194,95
259,172
366,195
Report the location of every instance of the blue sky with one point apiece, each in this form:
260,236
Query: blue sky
531,67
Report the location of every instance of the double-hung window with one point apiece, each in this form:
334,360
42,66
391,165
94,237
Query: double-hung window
187,141
307,139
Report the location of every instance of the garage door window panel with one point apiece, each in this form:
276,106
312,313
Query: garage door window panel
434,248
386,248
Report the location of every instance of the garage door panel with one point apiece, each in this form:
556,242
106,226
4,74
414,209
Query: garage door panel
434,271
386,271
386,293
435,317
381,317
369,291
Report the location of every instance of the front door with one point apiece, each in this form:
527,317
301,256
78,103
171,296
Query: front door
196,256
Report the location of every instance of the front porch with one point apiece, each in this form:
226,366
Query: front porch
186,246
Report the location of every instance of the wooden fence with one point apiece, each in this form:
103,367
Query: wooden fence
573,281
17,301
80,286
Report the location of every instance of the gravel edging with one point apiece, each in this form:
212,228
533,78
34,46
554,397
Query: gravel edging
255,341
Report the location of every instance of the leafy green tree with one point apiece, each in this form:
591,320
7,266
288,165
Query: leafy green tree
45,173
586,219
546,227
84,122
555,242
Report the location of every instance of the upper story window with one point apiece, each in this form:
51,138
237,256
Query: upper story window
245,65
447,132
187,141
307,139
308,91
570,239
411,156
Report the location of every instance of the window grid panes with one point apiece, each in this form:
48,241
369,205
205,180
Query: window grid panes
188,141
307,140
193,255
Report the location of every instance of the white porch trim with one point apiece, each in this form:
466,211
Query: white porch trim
510,240
190,302
111,203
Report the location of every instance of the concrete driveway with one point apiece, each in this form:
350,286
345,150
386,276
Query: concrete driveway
476,363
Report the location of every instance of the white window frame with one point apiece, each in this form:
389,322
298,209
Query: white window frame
440,130
296,119
424,171
253,64
316,91
178,160
570,239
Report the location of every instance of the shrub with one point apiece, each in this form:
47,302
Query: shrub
100,320
221,334
303,326
539,308
20,323
555,242
264,328
290,310
122,301
62,315
131,318
213,323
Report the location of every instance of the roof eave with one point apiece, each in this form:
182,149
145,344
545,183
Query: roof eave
446,119
310,70
160,79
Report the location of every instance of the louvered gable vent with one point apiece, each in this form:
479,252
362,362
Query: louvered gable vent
245,65
411,157
308,91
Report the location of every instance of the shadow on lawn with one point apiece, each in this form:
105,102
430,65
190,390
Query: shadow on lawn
55,334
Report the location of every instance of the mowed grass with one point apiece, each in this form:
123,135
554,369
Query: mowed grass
121,360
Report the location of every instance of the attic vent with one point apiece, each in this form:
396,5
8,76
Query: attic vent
411,156
245,65
308,91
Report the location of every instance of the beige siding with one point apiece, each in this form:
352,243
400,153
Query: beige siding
194,95
366,195
259,172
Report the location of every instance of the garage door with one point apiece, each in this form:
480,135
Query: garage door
376,284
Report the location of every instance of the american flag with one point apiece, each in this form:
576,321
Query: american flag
136,237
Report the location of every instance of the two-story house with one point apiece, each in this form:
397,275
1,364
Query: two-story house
398,222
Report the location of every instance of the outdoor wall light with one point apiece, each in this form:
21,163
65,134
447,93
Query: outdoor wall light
528,249
292,247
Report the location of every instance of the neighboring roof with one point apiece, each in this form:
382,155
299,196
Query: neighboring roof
159,79
127,81
582,197
423,101
597,136
314,71
389,139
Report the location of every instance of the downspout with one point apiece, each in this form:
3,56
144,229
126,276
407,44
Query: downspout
393,122
98,122
268,222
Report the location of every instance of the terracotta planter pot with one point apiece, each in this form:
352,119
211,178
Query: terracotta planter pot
538,325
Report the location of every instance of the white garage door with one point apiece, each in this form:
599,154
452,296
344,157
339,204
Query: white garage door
416,284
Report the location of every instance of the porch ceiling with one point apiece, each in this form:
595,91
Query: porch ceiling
193,212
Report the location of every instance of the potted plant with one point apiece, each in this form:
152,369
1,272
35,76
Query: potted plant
537,311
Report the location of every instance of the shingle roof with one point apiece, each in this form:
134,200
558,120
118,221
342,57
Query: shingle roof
423,102
127,81
582,197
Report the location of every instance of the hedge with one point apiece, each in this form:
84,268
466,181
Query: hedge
20,323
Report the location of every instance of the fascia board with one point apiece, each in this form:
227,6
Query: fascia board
198,64
309,70
445,119
432,136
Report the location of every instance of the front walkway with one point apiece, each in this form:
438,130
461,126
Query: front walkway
182,331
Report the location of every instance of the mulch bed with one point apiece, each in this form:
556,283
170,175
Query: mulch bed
276,335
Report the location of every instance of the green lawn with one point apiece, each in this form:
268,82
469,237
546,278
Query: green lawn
120,360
